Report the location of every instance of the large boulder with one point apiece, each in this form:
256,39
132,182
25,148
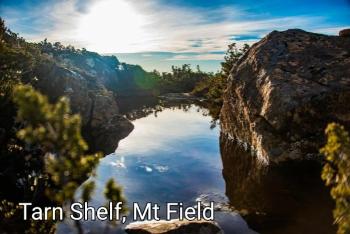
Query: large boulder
284,91
174,227
345,32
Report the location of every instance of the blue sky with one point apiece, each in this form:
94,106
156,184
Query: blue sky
159,33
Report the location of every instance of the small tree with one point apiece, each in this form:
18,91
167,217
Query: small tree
336,173
56,132
233,54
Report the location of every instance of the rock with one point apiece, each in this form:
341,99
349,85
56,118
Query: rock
277,198
93,84
345,32
284,91
2,135
106,136
103,126
174,227
179,97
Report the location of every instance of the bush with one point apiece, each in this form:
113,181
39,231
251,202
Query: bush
336,173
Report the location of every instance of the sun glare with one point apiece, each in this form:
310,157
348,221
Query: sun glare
112,26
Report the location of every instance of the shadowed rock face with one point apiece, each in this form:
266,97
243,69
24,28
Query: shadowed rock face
103,126
284,91
287,198
345,32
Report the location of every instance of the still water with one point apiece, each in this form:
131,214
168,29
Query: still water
174,155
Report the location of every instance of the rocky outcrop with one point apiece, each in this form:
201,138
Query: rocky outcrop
92,82
174,227
103,126
284,91
345,32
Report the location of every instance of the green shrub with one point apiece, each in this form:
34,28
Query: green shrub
336,173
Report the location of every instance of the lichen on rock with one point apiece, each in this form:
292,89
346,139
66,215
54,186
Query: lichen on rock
283,92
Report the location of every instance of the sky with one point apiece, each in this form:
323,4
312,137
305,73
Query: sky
159,33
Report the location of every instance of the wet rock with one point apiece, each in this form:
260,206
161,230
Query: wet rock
174,227
221,202
282,94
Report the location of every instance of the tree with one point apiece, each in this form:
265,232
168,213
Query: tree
233,54
57,133
336,173
213,88
2,29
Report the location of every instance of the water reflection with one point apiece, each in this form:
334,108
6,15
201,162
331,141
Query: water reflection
288,198
135,108
172,155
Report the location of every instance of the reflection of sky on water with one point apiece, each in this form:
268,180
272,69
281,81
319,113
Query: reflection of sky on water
165,132
170,158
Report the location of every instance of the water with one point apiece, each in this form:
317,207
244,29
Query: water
174,155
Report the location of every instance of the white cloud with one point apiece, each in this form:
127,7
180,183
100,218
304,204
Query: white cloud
141,26
203,56
164,131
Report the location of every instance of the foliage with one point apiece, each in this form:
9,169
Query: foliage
336,173
113,192
233,54
179,80
132,79
53,130
88,188
45,161
57,133
213,88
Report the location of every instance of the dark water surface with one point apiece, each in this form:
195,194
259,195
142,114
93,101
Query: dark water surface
173,155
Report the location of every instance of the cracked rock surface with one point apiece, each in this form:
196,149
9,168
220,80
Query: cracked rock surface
285,90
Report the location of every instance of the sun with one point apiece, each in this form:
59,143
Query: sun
112,26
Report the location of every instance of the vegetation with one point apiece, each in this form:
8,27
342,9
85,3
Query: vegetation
179,80
52,130
43,156
336,173
56,132
232,56
213,87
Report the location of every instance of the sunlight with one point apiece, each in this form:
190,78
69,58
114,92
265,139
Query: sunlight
112,26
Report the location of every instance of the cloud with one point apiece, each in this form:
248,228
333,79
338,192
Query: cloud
143,26
203,56
164,131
